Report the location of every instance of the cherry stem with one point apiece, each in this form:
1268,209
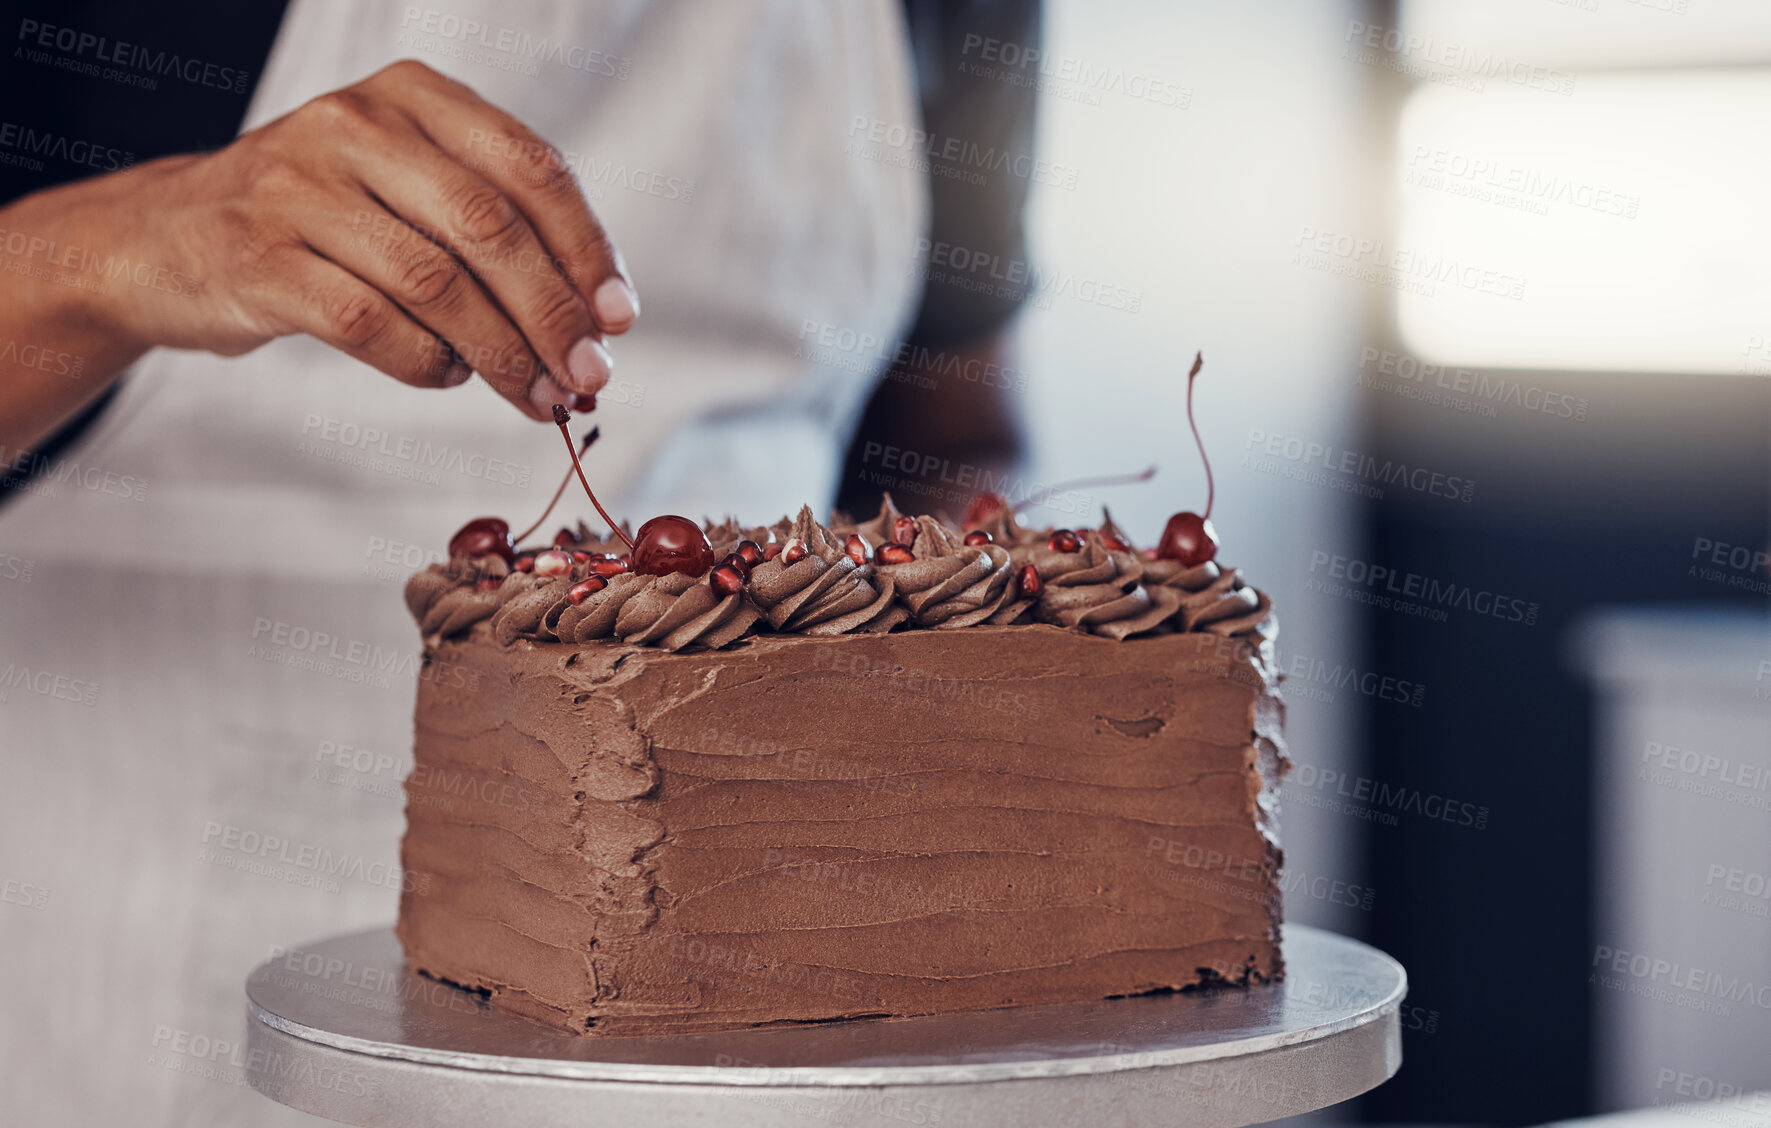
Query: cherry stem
564,481
1210,488
1078,483
561,417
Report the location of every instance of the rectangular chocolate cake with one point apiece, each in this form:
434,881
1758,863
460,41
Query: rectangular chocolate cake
850,787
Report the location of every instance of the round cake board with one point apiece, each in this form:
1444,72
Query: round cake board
341,1029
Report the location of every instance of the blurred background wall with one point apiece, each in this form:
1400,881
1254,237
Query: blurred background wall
1484,292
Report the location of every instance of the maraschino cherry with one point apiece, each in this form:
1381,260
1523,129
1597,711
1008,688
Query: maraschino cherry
664,544
490,536
671,544
1188,537
484,536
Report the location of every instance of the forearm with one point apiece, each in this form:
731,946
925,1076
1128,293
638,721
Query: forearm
62,342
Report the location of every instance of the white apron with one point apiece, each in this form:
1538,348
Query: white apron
206,671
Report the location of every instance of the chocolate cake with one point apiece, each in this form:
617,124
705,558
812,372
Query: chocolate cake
803,772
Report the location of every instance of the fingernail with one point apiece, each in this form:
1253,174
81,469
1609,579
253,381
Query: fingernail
615,303
589,364
457,375
544,393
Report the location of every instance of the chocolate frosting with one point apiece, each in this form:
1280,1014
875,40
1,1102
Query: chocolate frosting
1105,588
824,592
951,584
621,841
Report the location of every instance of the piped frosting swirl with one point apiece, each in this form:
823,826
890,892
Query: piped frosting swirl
1105,587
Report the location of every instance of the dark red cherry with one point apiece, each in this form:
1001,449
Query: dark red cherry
750,551
585,588
483,536
893,553
856,547
983,508
1188,538
583,402
977,537
904,531
671,544
727,579
1063,540
1028,583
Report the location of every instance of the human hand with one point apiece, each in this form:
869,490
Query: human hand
378,219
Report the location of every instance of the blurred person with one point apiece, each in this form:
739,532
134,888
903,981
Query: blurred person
244,391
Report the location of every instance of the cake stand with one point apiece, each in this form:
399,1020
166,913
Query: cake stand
342,1030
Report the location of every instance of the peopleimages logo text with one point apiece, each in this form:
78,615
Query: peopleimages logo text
117,52
1413,585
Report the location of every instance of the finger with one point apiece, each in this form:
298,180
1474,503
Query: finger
436,290
335,306
531,173
484,229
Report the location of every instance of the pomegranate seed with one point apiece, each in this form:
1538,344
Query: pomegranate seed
726,580
771,550
751,552
553,562
1114,543
904,531
856,547
738,562
487,583
564,539
1063,540
978,536
585,588
581,558
583,402
606,566
893,553
524,564
794,552
1028,582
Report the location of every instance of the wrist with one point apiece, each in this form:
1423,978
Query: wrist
88,266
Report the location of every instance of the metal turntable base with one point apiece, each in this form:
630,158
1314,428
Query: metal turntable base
340,1029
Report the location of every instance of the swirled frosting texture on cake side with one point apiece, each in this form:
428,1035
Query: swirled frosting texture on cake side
1104,587
623,841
